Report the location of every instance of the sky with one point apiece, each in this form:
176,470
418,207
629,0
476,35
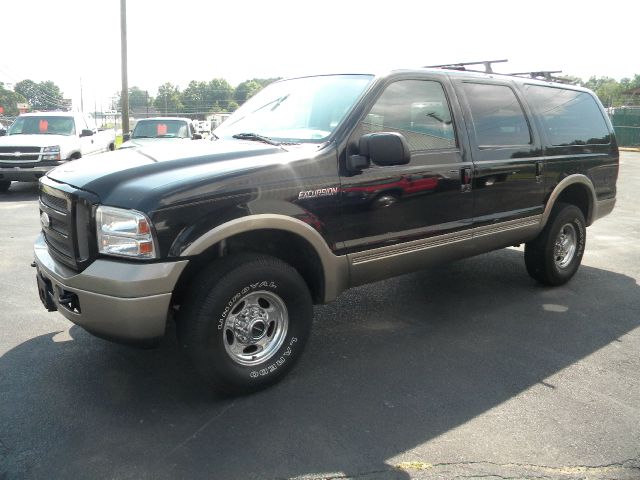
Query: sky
77,42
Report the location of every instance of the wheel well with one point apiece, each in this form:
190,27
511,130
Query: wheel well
75,156
286,246
577,195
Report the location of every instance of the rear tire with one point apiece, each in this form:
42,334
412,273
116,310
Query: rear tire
555,255
245,322
4,185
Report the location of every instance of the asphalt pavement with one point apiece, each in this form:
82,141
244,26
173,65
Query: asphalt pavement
467,370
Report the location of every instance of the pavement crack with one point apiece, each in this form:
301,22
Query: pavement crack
537,472
628,464
195,434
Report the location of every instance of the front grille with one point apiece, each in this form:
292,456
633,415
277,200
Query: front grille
21,158
59,232
60,247
57,203
20,149
19,154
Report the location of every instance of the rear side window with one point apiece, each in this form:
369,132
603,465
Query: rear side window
568,117
498,118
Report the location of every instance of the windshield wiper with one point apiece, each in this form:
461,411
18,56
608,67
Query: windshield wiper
255,137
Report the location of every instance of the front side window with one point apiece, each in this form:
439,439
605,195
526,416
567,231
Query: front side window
419,110
569,117
498,118
298,110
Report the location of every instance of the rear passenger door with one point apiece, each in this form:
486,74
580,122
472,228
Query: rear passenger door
506,149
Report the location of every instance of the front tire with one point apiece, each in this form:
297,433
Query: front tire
555,255
246,321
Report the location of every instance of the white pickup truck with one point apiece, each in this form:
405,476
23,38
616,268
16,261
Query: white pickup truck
38,142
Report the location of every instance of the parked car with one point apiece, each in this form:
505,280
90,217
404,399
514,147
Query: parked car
161,129
37,142
237,238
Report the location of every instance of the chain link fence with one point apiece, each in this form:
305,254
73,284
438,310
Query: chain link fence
626,123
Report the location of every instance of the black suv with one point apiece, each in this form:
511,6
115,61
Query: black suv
316,185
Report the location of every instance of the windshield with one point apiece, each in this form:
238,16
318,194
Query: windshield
161,129
43,126
298,110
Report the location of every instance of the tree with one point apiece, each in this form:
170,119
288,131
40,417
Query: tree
8,101
195,97
219,94
266,81
139,100
245,90
168,99
41,96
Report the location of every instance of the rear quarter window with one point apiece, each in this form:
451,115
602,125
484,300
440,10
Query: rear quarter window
568,117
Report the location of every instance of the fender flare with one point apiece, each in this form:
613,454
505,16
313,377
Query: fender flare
562,186
335,268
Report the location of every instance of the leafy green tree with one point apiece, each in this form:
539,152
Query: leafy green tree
8,101
608,89
196,97
266,81
219,93
245,90
41,96
232,106
168,101
139,100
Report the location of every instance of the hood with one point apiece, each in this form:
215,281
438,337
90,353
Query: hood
34,140
140,178
146,142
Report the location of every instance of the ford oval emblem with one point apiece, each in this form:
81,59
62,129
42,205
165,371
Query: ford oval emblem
45,220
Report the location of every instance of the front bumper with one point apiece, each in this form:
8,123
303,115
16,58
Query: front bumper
26,174
114,299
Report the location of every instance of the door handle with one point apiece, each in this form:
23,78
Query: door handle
465,180
539,171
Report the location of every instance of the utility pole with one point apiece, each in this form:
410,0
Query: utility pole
81,97
123,56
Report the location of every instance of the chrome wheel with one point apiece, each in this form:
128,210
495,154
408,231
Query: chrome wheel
255,328
385,201
565,246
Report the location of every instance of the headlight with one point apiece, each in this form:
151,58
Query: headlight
124,233
51,153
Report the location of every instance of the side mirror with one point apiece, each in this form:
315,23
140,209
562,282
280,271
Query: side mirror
126,137
3,132
197,136
86,133
385,148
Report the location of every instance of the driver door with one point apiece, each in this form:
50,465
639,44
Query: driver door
384,207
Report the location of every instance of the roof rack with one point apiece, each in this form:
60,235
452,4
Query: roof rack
488,68
542,74
463,65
